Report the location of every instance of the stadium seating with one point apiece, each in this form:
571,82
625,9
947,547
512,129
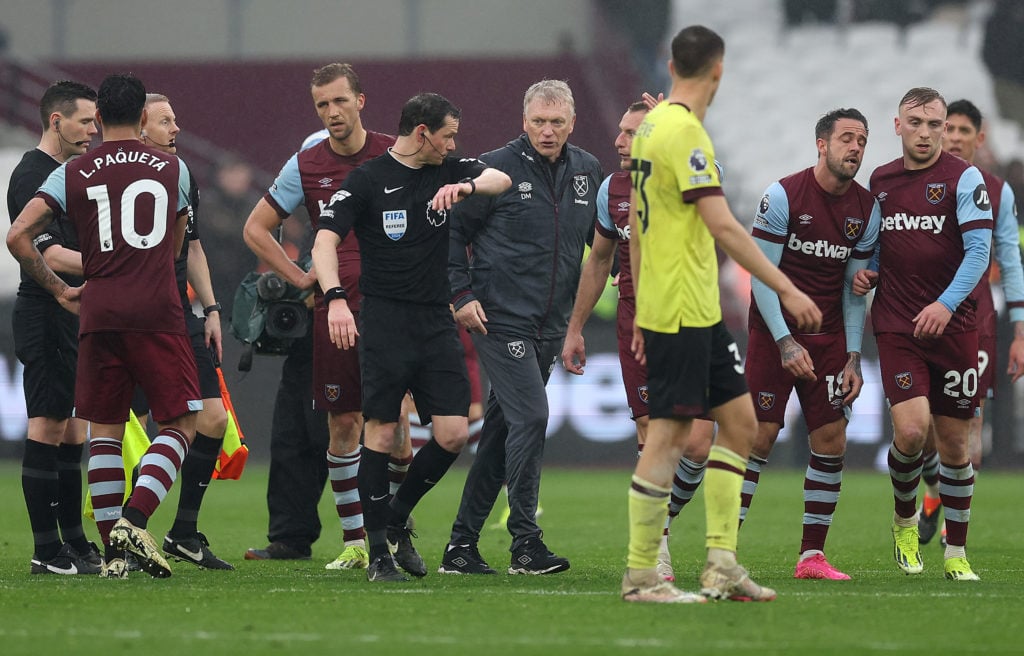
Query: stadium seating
778,82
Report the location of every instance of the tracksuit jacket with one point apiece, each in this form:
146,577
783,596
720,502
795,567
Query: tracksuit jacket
526,244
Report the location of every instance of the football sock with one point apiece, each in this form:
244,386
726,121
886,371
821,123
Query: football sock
687,479
822,482
751,477
373,492
648,507
157,470
397,470
343,471
106,483
723,483
427,468
721,557
954,552
905,472
39,483
476,427
196,472
69,510
956,489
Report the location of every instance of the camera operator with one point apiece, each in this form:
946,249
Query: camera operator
298,439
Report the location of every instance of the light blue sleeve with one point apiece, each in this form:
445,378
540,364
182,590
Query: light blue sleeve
287,187
855,307
876,219
767,300
870,239
603,217
1007,245
184,185
772,214
977,243
314,139
55,188
773,217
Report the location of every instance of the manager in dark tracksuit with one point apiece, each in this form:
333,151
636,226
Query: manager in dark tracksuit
514,293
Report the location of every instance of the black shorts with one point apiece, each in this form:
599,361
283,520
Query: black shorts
46,342
692,371
403,347
209,382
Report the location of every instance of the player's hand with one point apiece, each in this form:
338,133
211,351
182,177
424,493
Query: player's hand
1016,368
852,382
802,308
574,353
637,345
471,316
931,321
341,324
307,280
650,100
213,335
795,359
450,194
615,280
71,299
864,281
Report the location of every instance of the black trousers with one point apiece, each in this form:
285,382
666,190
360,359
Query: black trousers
298,445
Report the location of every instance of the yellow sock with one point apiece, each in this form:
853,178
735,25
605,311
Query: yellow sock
648,508
723,484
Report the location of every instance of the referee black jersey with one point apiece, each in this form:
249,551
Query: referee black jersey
403,244
33,169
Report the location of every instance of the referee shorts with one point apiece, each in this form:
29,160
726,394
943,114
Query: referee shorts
408,347
46,342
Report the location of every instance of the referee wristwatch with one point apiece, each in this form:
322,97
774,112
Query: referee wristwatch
472,185
211,308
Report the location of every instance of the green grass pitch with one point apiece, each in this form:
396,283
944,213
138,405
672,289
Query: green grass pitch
299,607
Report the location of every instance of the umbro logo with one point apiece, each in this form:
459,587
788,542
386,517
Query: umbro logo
805,219
325,182
392,189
